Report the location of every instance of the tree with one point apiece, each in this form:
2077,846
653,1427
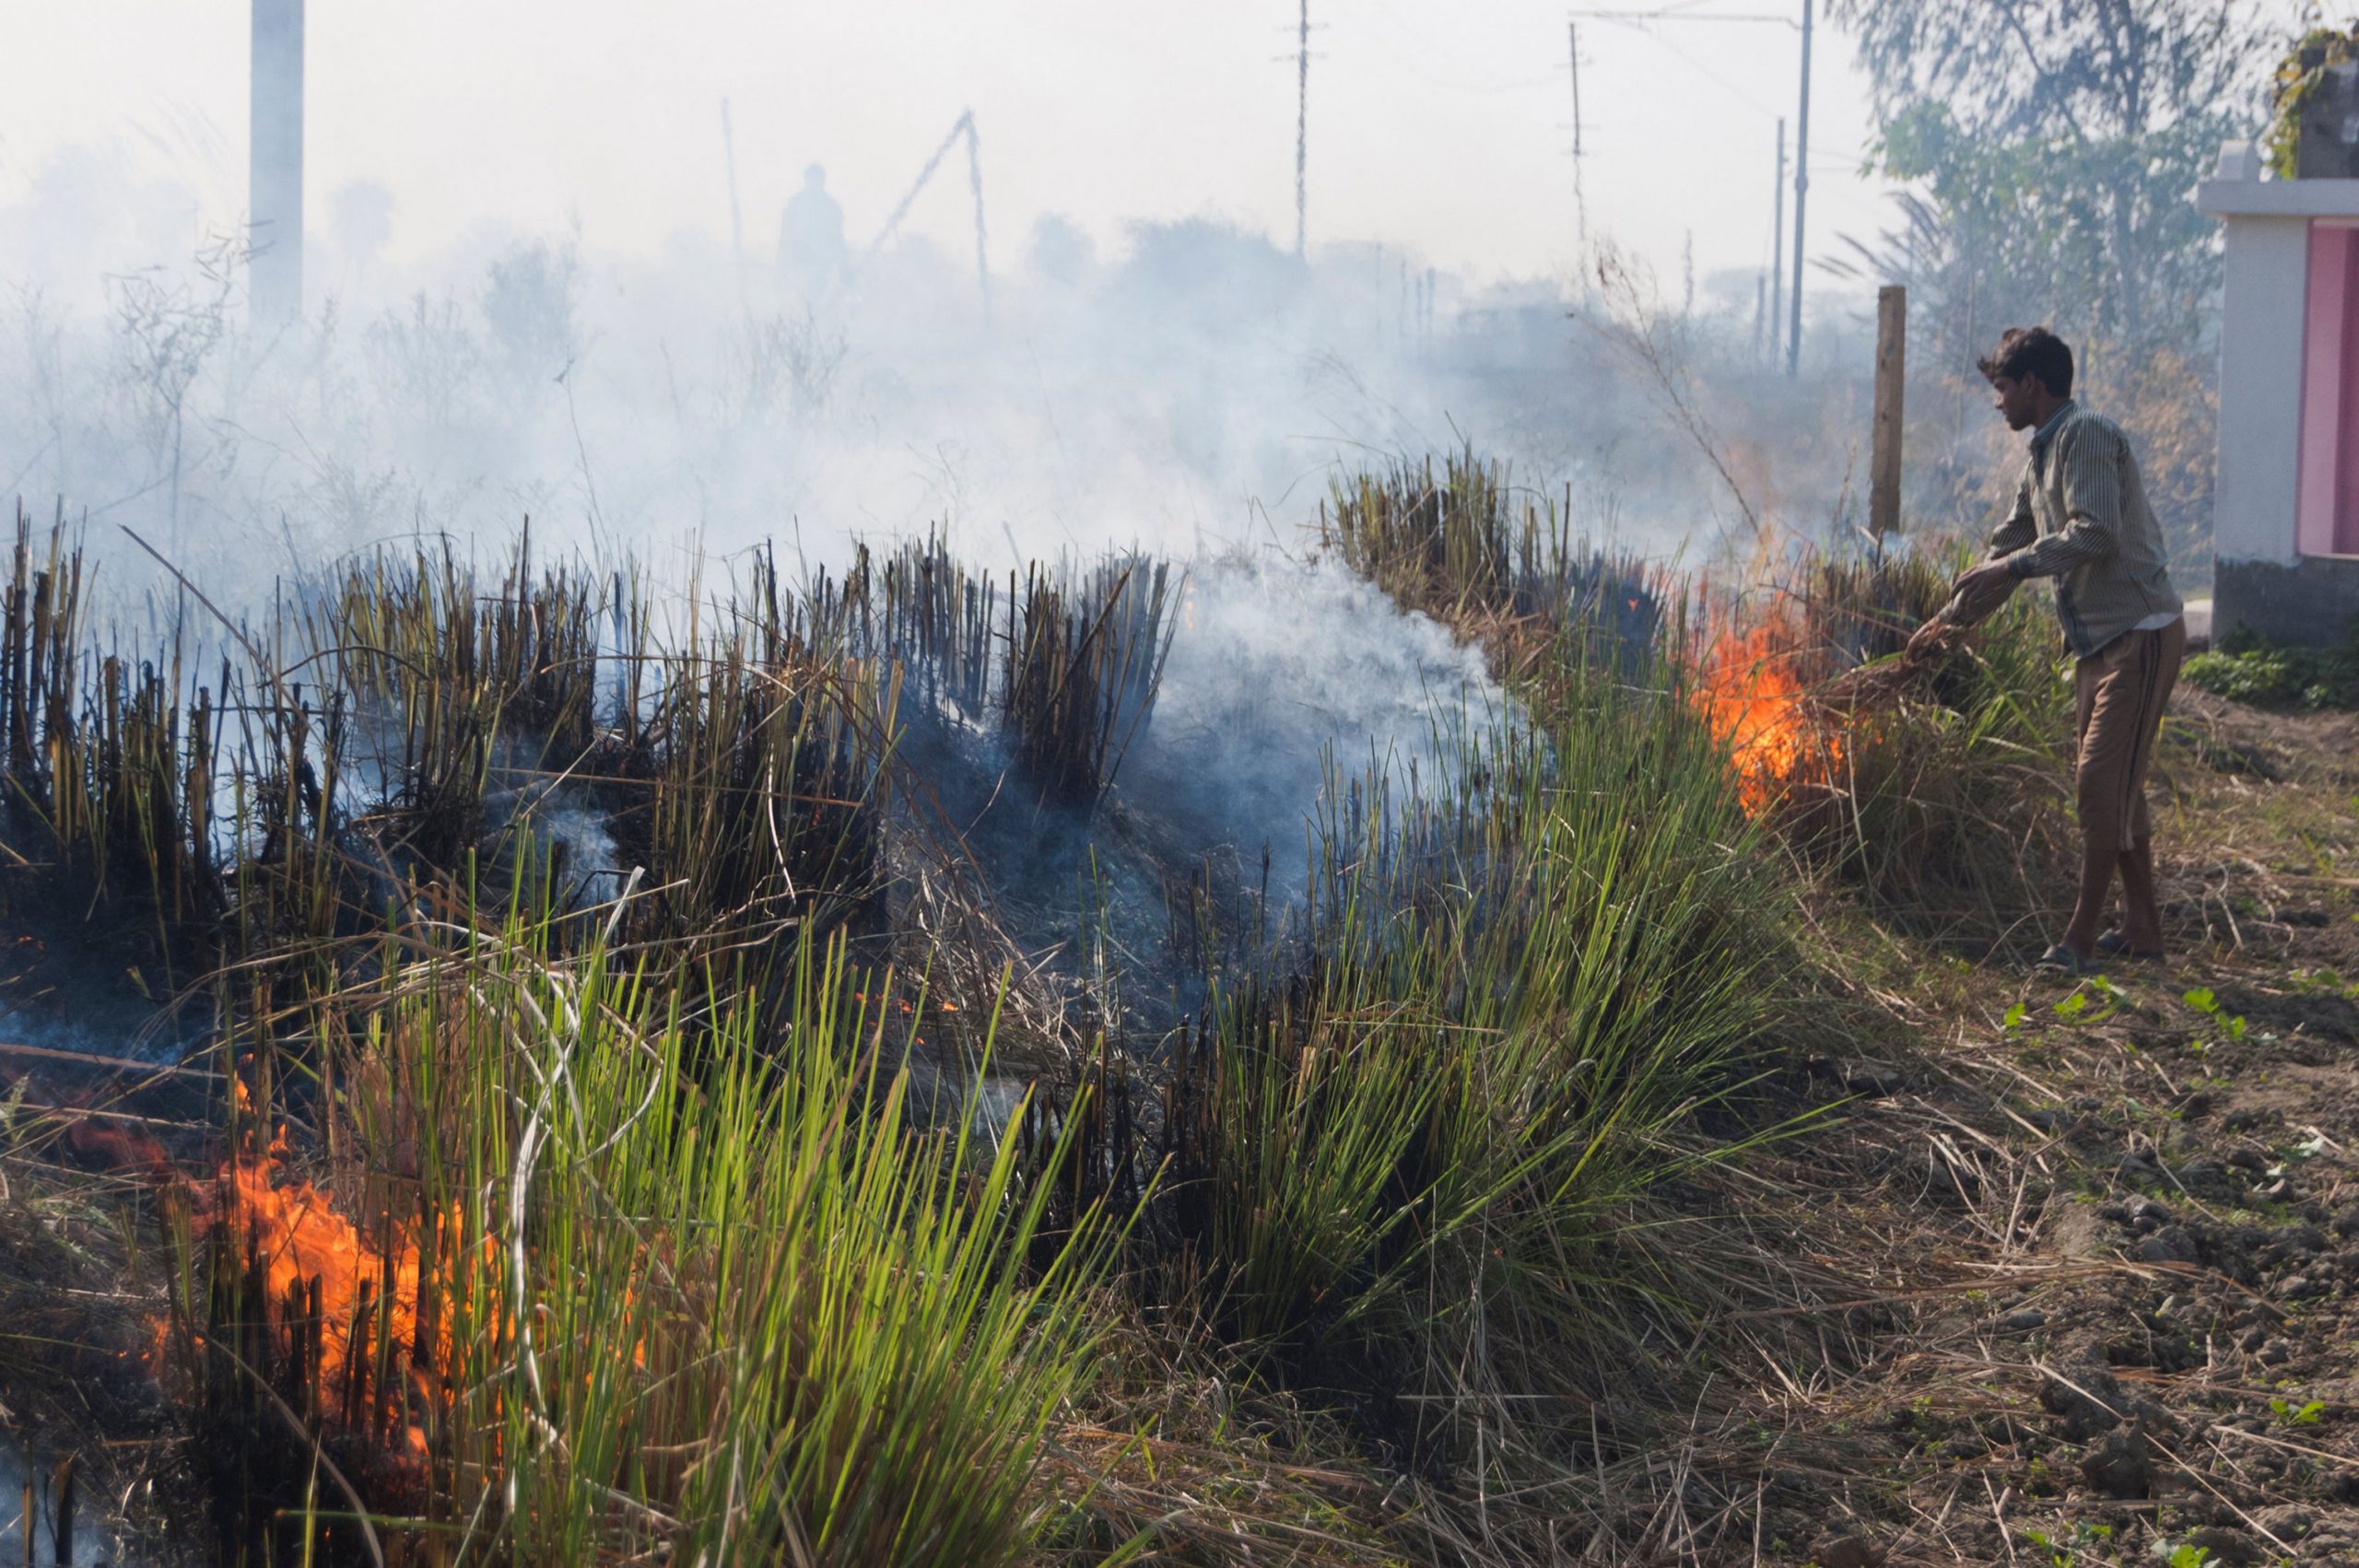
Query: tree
2052,149
2056,144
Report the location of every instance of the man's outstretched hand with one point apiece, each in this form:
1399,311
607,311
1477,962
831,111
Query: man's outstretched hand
1980,590
1977,592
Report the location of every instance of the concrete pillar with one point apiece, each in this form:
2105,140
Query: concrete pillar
276,169
2266,574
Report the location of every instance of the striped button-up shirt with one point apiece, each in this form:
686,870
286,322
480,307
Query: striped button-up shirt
2081,517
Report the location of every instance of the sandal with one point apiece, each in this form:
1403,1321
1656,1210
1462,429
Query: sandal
2114,944
2060,960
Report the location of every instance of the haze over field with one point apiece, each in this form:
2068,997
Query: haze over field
1440,130
523,295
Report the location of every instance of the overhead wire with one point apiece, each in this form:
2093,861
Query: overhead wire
1427,50
1640,28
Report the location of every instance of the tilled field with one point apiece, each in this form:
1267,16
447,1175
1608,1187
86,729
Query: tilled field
2110,1233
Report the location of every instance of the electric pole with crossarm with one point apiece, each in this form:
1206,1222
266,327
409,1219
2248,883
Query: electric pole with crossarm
1801,194
1301,128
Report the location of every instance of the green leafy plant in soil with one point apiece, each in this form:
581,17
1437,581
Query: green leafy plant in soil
2252,669
1446,1155
1522,986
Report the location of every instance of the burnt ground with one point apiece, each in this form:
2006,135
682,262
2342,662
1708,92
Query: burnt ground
2106,1237
2103,1244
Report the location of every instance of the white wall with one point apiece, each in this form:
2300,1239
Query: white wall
2255,493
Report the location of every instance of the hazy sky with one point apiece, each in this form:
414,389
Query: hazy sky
1443,128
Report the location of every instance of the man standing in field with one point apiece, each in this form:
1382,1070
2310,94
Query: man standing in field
2080,515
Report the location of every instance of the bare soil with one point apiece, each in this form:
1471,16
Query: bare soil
2105,1236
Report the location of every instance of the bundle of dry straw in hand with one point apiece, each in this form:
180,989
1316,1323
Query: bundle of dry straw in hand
1882,683
1877,685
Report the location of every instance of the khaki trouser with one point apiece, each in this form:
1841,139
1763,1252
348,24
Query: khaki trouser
2117,699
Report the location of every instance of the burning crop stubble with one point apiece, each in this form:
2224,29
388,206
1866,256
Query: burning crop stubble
754,1014
1435,1005
1461,1068
1452,941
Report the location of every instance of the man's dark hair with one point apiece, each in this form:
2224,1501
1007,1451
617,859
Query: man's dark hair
2032,352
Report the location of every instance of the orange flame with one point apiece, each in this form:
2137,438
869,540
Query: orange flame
375,1379
1749,693
300,1238
367,1311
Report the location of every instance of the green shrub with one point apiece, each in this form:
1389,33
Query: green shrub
2252,669
2299,77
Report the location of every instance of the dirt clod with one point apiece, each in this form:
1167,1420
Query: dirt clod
2087,1401
2170,1244
2228,1544
2121,1466
1849,1551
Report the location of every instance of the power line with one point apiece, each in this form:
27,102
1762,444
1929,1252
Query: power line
1702,69
1685,11
1421,53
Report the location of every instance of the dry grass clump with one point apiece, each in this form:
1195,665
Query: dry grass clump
78,1409
1063,663
1938,792
1431,1152
1493,561
608,1288
413,723
1951,812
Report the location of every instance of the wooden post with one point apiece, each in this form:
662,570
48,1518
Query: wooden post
1892,371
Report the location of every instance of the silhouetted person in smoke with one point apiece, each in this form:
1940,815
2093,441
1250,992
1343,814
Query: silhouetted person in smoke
2081,517
811,253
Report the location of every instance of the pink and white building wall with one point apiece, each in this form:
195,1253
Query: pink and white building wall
2285,528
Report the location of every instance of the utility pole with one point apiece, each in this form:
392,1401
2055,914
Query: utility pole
1580,204
1802,195
736,220
975,181
1777,253
1301,127
275,162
